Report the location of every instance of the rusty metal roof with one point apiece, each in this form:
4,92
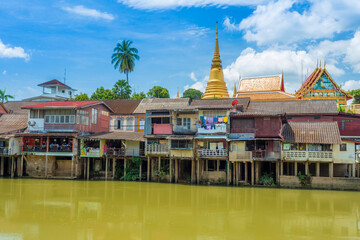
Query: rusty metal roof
218,103
123,106
14,107
10,123
312,132
295,107
162,104
131,136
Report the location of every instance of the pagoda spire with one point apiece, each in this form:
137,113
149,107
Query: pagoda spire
177,94
235,91
216,87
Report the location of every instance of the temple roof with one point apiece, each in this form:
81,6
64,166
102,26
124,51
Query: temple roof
267,96
312,79
261,84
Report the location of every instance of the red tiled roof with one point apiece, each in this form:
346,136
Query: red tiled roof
61,105
54,82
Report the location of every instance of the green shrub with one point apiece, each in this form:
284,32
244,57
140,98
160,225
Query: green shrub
267,179
305,180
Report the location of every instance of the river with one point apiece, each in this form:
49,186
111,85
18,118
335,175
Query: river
60,209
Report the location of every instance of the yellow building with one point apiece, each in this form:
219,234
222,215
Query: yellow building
267,88
320,85
216,87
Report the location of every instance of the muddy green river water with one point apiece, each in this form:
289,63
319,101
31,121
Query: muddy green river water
51,209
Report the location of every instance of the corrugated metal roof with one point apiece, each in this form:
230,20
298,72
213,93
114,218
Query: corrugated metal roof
312,132
13,123
61,105
218,103
295,107
162,104
15,107
132,136
123,106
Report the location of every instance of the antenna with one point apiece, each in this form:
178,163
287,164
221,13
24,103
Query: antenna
64,75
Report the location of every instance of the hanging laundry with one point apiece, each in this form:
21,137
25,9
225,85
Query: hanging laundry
208,126
210,120
215,120
225,119
220,120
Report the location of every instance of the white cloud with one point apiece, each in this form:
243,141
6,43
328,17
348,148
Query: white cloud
193,77
199,85
351,85
281,22
4,72
172,4
12,52
88,12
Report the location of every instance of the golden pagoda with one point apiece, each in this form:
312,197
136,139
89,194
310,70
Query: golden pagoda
216,87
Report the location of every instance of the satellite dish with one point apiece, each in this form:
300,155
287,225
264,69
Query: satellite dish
234,103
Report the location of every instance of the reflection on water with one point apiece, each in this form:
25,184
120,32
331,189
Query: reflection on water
46,209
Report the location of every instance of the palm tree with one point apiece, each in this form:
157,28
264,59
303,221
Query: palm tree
3,96
124,57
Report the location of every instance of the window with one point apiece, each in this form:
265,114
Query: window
343,147
37,113
286,146
59,116
94,116
181,144
142,124
119,123
185,122
84,117
129,123
104,113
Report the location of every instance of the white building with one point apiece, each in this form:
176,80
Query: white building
53,90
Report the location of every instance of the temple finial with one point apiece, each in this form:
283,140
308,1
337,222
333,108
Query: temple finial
235,92
216,60
177,94
320,63
324,63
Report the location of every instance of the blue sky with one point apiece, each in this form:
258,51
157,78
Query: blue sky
175,39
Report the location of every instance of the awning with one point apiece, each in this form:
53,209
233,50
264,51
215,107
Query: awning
131,136
181,137
241,136
210,137
159,116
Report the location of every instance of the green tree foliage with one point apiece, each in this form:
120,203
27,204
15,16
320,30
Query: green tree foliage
192,94
356,95
124,57
3,96
158,92
102,94
81,97
121,90
140,95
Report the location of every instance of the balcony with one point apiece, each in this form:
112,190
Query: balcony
63,149
90,152
4,151
157,149
240,156
33,148
135,152
162,129
181,130
215,128
243,130
321,156
264,155
208,153
115,152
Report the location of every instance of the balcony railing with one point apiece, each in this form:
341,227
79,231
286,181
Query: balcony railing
115,152
157,148
264,155
33,148
4,150
212,153
326,156
60,149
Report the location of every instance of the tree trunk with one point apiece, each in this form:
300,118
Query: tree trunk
127,76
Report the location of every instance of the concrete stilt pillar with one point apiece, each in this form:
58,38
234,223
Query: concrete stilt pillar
207,165
176,170
72,167
295,168
170,170
233,173
353,168
252,173
148,169
198,171
239,167
236,173
2,166
288,169
277,170
318,169
12,167
257,172
114,168
331,170
306,167
106,168
281,168
22,166
192,172
88,169
246,172
159,168
227,172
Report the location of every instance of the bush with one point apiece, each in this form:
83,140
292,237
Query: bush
305,180
267,179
